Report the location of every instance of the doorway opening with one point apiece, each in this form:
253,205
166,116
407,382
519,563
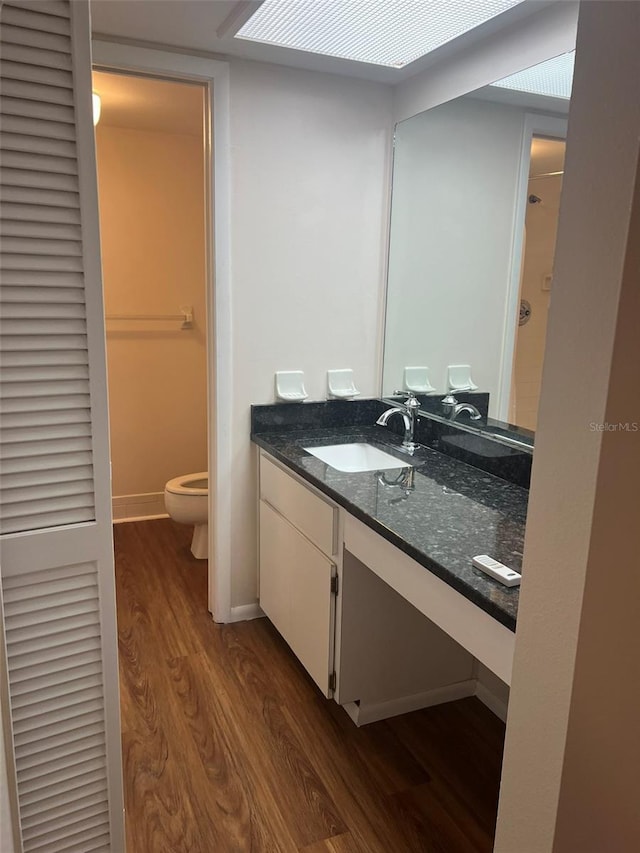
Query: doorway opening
151,178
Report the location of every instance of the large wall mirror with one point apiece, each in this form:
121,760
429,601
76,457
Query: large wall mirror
476,193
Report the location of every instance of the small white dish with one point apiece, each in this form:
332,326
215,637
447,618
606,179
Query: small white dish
290,386
340,384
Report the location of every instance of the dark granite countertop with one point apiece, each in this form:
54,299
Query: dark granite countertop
452,513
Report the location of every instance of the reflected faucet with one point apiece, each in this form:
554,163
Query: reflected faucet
404,480
452,408
408,411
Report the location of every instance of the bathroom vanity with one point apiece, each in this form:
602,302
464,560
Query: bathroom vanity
368,576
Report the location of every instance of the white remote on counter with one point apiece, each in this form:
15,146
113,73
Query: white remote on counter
498,571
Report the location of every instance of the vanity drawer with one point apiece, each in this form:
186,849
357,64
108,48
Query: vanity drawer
314,517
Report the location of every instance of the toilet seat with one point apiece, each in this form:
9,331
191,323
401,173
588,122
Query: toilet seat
186,500
189,484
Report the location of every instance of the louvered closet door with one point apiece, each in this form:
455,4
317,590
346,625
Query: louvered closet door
56,559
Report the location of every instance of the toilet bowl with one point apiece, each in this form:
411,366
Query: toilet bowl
186,499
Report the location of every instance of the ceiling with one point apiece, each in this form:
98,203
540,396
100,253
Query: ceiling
209,25
204,25
145,103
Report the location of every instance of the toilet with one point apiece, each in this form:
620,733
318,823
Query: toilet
186,499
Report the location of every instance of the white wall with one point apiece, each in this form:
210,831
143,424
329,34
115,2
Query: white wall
310,165
547,33
153,257
456,171
572,751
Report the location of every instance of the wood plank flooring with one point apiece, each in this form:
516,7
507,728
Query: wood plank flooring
228,746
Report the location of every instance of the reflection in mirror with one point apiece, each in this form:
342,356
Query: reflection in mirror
469,245
539,242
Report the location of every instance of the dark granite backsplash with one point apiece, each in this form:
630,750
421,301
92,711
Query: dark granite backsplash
326,413
505,462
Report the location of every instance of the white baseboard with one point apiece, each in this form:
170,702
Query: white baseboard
371,712
139,518
493,702
244,612
138,507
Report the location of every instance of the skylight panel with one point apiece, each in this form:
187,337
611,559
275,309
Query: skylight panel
383,32
553,78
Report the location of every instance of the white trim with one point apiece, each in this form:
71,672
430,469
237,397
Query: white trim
371,712
9,804
237,18
543,125
492,702
215,75
140,518
138,507
383,296
243,612
103,535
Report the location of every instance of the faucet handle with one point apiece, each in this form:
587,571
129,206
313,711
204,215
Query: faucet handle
411,402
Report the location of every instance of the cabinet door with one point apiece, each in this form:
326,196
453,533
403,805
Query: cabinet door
275,569
295,593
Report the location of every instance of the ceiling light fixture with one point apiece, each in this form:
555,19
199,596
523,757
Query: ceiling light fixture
383,32
97,107
553,78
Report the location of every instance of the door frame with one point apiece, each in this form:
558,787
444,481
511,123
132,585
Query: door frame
535,124
214,75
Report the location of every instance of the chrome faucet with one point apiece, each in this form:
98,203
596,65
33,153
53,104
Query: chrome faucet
452,408
408,411
404,480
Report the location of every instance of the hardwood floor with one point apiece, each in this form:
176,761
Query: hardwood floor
228,746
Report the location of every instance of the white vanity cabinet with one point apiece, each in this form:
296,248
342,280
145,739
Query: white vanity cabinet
298,570
361,641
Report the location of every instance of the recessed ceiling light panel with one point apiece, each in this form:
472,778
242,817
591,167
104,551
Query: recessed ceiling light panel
382,32
553,78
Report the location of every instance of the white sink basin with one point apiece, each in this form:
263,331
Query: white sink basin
356,457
